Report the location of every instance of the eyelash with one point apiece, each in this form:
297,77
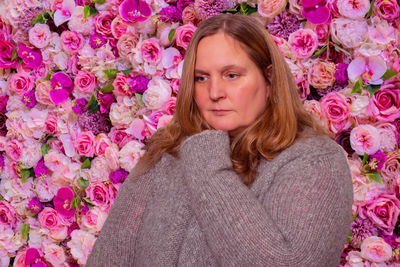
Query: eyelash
197,78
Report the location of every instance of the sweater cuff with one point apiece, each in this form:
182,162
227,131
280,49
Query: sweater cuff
208,149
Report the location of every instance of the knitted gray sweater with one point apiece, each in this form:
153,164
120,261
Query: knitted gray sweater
195,211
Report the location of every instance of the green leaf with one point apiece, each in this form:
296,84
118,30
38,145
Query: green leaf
139,99
371,10
320,52
111,73
45,148
88,202
86,12
357,88
171,34
86,164
75,202
338,48
38,19
108,88
349,236
365,159
92,98
100,2
48,76
374,175
25,174
126,72
14,53
372,88
93,11
24,230
389,74
232,10
94,107
83,183
250,10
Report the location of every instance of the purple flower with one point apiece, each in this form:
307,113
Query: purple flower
34,205
361,229
118,176
284,24
105,102
391,240
62,202
170,14
79,106
132,11
341,73
379,159
40,169
95,122
138,84
96,41
315,11
208,8
31,56
62,85
3,103
1,162
181,4
29,99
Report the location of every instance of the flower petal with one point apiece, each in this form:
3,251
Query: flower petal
356,68
318,15
378,67
59,96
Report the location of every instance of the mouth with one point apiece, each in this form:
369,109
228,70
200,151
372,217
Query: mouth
220,111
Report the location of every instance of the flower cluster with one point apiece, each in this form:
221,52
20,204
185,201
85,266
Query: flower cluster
85,83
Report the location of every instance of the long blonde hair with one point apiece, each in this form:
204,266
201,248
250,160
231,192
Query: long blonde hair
275,129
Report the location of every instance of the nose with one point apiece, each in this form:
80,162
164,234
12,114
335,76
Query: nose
216,89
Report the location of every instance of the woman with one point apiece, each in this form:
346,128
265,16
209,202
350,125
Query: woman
241,176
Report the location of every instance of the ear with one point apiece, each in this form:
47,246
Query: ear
268,74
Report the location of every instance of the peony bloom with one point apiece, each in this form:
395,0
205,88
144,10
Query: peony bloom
371,69
132,11
387,9
375,249
81,245
354,9
365,139
321,74
315,11
271,8
349,32
303,43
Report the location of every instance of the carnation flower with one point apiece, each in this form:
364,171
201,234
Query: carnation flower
29,99
361,229
94,122
283,25
79,106
138,84
34,205
118,176
96,41
40,169
170,14
208,8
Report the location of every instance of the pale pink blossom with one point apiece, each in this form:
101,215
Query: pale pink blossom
348,32
8,216
120,114
81,245
102,23
121,86
126,44
72,41
58,234
54,254
271,8
55,160
94,219
354,9
111,155
151,51
388,134
45,189
99,170
321,74
303,43
42,93
39,35
375,249
102,142
51,124
119,27
14,149
365,139
78,22
371,69
130,154
85,82
157,93
184,34
164,120
313,107
31,153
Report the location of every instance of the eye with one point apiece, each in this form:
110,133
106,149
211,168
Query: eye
232,75
199,78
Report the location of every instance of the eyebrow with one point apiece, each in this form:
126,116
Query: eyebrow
227,67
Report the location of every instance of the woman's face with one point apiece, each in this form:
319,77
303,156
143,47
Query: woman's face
230,90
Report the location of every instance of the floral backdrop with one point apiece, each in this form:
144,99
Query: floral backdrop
85,83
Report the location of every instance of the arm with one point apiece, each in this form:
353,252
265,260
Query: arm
301,222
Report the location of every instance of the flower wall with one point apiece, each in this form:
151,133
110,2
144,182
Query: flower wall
85,83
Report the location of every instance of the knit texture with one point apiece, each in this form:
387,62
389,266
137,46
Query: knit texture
195,211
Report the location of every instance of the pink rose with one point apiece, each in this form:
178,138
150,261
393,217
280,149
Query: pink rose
189,15
54,160
321,30
157,94
54,254
349,32
85,143
365,139
81,245
8,217
387,9
51,124
385,105
99,170
126,44
382,211
94,219
71,41
112,157
58,234
102,23
101,194
391,168
151,51
14,149
45,189
49,218
40,35
119,136
175,83
118,27
303,43
121,86
321,74
21,82
375,249
6,52
130,155
42,93
336,110
169,106
354,9
271,8
184,34
85,82
102,142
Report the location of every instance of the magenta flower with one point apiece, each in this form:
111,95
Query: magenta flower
40,169
315,11
1,162
96,41
3,103
62,85
32,258
132,11
105,102
118,176
29,99
62,202
6,61
378,160
31,56
34,205
79,106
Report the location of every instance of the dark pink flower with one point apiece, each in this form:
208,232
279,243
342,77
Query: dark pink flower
62,202
315,11
32,258
6,51
34,205
31,56
62,85
132,11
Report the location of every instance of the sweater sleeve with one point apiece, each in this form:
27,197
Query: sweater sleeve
303,219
